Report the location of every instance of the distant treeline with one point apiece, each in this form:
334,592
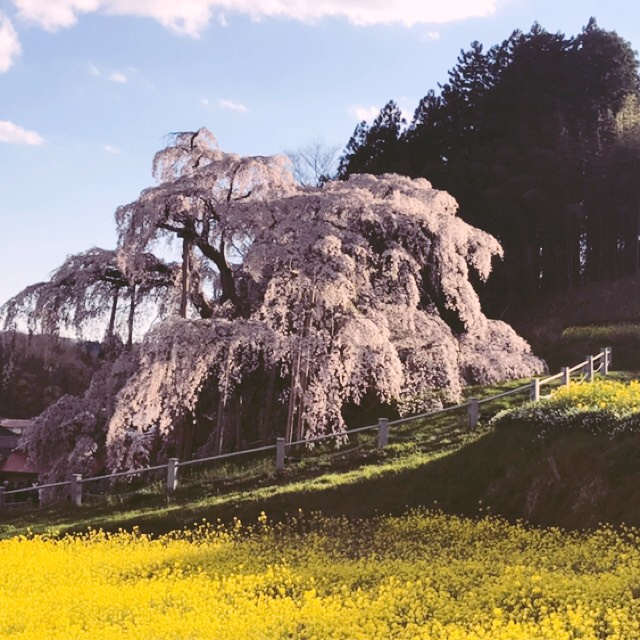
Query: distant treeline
37,370
538,138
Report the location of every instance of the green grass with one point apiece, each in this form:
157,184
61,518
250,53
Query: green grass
326,478
430,462
293,490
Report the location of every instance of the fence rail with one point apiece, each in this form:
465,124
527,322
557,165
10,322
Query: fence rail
587,370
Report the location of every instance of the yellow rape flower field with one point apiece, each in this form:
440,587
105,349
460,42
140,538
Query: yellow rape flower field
421,575
622,398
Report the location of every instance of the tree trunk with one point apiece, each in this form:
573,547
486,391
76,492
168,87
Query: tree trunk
221,409
271,388
132,312
220,427
299,423
186,268
239,422
293,396
227,279
187,448
112,317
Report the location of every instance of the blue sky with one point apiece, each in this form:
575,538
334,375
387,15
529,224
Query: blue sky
90,88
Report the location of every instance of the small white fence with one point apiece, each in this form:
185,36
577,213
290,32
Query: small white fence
585,371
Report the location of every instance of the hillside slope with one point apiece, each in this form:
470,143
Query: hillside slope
572,480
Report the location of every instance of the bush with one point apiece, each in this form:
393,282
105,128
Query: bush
602,407
576,341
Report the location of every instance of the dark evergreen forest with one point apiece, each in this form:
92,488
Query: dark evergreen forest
37,370
538,138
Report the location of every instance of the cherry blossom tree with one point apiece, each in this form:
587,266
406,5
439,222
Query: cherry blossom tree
85,292
196,201
79,291
290,305
356,292
70,435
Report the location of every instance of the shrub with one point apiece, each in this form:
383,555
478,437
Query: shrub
604,406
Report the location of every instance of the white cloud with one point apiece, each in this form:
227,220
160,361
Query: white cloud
118,77
233,106
191,17
361,113
9,43
431,36
205,102
54,14
111,148
15,134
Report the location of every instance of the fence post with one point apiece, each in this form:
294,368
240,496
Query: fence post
383,433
474,411
2,496
76,489
535,390
589,368
606,359
566,376
172,474
279,454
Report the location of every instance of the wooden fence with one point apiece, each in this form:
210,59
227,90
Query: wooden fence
585,370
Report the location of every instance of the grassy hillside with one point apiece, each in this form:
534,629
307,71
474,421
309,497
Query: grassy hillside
571,479
574,480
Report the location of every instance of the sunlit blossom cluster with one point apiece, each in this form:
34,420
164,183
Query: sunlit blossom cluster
288,307
356,291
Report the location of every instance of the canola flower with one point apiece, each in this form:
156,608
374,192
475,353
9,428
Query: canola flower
419,576
601,407
622,398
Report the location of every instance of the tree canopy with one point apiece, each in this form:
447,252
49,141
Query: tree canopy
524,136
84,296
355,292
307,301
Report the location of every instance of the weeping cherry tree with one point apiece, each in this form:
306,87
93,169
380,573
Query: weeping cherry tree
308,301
85,295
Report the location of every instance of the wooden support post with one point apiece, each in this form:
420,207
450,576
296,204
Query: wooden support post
589,371
535,390
474,412
604,358
3,498
280,454
76,489
172,474
383,433
566,376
